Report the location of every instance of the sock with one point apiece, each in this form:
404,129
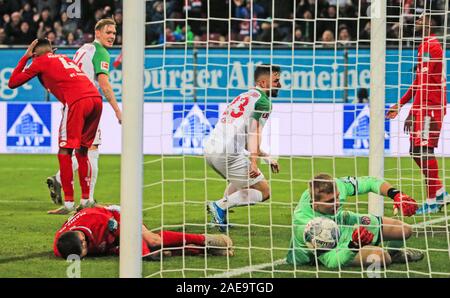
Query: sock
93,159
430,169
69,205
74,168
84,174
243,197
174,239
65,167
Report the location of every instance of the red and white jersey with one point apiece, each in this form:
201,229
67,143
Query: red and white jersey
101,227
429,86
58,74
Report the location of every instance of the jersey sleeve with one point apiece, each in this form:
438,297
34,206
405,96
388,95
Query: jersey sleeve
361,185
21,76
261,107
101,61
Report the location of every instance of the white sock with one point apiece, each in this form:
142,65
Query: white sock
431,201
93,156
243,197
74,168
69,205
440,191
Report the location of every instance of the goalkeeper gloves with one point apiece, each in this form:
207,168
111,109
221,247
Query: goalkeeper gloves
402,202
361,237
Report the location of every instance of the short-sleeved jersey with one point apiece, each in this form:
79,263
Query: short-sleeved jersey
93,59
231,132
58,74
429,86
101,227
347,186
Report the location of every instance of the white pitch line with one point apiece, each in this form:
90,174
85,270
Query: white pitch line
249,269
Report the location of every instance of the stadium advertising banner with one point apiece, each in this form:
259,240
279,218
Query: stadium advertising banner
308,75
170,128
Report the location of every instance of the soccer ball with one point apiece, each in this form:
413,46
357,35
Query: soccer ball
321,233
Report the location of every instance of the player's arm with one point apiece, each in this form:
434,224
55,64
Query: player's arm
254,138
366,184
19,76
105,86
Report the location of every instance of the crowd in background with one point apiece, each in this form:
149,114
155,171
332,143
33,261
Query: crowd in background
241,22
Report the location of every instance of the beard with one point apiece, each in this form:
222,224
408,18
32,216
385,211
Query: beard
274,92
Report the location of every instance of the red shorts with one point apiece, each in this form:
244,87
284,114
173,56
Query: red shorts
426,129
79,123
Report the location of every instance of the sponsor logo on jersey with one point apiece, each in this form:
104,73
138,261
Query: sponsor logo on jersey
356,129
426,57
28,128
192,124
62,144
365,220
104,65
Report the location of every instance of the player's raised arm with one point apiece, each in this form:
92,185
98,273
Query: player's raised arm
19,76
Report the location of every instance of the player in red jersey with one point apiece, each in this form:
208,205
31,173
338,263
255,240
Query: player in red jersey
82,110
96,231
424,122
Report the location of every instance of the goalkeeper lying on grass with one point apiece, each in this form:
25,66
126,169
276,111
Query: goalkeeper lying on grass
361,235
96,231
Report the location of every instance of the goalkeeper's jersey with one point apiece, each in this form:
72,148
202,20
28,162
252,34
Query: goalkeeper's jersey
93,59
299,253
231,131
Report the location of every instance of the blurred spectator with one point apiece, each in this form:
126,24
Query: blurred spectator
26,35
3,37
327,40
118,18
12,26
52,6
68,25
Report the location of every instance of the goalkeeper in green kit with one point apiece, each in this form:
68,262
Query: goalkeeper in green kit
360,235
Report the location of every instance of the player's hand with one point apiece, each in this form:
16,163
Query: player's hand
408,124
29,52
274,166
254,171
392,112
405,203
119,116
361,237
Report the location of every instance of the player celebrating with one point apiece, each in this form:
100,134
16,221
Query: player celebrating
360,235
82,110
240,127
96,231
94,60
426,114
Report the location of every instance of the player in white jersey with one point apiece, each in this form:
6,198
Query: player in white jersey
233,147
94,60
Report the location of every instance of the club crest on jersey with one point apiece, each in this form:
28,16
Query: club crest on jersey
192,124
29,128
104,65
365,220
356,129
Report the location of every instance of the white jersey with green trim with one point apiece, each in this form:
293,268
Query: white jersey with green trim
231,132
93,59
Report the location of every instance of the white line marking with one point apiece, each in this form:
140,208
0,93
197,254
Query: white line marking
248,269
430,222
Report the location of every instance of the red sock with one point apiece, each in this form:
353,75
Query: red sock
84,174
65,167
433,178
171,239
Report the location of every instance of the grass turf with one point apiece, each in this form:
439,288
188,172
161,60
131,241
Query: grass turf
175,192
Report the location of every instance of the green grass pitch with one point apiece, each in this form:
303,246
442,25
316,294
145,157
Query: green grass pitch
175,192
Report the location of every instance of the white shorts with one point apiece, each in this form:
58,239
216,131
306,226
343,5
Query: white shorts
234,168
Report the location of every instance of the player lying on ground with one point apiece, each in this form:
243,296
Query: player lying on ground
424,122
240,127
360,234
96,231
82,111
93,59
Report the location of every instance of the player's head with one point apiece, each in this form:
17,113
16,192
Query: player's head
72,243
43,46
324,194
105,32
424,22
267,77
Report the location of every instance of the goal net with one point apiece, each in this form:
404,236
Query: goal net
201,54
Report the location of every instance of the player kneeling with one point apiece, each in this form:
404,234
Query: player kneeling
96,231
324,232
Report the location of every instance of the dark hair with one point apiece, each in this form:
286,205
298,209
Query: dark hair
265,69
42,42
69,243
